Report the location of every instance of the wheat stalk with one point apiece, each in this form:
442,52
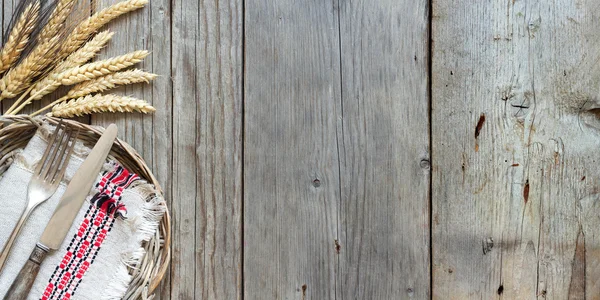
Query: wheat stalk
88,27
50,83
100,103
19,36
19,78
101,84
58,59
100,68
57,20
110,82
87,52
79,74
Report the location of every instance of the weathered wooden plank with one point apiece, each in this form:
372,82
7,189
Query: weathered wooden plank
515,139
384,150
186,261
207,145
151,135
159,43
301,130
291,167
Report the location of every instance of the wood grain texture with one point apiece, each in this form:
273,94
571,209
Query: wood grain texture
319,124
207,157
383,142
291,161
148,28
515,139
336,152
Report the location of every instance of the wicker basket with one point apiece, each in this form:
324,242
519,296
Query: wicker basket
16,133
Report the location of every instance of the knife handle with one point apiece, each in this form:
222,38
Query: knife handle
19,290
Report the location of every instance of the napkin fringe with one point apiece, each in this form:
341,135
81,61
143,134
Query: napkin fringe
152,213
128,258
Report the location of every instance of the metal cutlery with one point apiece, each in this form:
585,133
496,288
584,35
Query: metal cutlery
64,215
45,180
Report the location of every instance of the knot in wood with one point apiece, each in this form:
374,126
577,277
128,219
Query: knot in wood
425,164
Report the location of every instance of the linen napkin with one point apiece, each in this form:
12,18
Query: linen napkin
120,213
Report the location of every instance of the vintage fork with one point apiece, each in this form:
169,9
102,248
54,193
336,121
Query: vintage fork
46,178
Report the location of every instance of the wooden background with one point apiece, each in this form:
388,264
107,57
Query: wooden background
372,149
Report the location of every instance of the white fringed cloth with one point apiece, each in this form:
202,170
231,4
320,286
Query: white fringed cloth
121,212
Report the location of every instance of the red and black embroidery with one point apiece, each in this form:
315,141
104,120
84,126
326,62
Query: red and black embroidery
111,186
99,219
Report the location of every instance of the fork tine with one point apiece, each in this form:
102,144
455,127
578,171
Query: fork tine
51,159
67,157
51,142
60,156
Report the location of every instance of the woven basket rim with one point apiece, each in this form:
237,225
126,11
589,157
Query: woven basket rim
154,267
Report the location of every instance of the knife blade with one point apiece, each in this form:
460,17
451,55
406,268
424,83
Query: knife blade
77,190
64,214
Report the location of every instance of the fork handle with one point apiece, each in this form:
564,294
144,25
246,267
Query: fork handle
19,290
13,237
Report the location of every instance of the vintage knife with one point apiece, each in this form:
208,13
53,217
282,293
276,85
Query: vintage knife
64,215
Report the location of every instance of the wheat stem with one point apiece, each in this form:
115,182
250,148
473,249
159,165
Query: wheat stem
18,109
49,106
17,102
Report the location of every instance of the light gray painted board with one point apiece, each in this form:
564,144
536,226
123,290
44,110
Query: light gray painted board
514,199
384,150
161,96
149,29
291,167
207,145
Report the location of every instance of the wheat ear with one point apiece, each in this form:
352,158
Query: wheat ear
57,20
110,82
100,103
101,84
80,74
50,83
19,78
100,68
85,29
19,36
